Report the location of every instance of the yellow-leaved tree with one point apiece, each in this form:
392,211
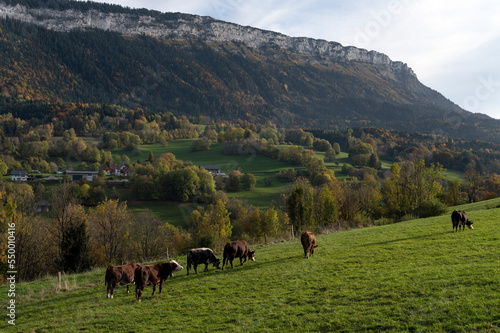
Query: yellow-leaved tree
108,227
211,225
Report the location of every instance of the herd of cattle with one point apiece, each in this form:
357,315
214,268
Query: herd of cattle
144,275
156,274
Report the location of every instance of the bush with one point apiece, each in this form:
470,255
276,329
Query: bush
384,221
433,207
408,217
201,145
287,176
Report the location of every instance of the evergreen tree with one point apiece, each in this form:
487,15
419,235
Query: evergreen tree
75,248
299,205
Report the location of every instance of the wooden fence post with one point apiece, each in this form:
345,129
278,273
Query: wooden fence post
58,280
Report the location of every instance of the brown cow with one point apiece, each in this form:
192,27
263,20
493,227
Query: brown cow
308,241
153,274
237,249
460,219
121,274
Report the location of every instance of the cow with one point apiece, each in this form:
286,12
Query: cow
199,256
153,274
237,249
308,241
460,219
122,274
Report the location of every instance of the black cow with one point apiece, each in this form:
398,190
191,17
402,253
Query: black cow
199,256
237,249
460,219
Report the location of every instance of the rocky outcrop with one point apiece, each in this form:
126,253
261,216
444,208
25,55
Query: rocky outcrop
183,27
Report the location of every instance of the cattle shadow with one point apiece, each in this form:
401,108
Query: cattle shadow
405,239
248,266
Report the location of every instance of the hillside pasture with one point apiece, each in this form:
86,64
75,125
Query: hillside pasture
414,276
251,162
260,166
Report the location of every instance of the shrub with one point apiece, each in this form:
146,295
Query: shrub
432,207
384,221
201,145
287,176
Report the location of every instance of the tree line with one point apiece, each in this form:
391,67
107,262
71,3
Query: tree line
74,238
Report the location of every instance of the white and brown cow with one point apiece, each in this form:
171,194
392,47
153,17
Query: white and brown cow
121,274
308,241
153,274
200,256
460,220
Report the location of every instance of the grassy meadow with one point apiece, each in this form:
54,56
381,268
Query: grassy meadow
414,276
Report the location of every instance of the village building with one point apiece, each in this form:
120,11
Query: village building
108,169
78,175
113,170
19,175
42,206
122,170
213,169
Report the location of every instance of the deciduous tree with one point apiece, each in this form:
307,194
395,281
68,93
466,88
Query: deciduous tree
108,227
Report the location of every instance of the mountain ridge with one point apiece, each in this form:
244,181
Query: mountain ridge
193,27
346,85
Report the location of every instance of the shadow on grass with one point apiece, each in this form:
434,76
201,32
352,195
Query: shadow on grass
406,239
249,265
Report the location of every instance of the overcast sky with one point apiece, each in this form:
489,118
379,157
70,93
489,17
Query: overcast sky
452,45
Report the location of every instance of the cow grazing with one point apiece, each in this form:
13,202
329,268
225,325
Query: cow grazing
153,274
122,274
460,219
199,256
308,241
237,249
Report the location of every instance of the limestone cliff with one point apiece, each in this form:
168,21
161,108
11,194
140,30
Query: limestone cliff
182,27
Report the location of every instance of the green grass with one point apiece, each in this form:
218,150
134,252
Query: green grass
453,175
182,150
414,276
174,213
486,204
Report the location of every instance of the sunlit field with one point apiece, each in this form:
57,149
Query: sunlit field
414,276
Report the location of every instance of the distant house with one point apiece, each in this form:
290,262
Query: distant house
109,169
78,175
19,175
42,206
213,169
122,169
113,170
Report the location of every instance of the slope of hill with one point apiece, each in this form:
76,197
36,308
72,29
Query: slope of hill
411,276
186,64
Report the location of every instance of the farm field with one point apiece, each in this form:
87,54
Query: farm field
182,150
414,276
260,166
